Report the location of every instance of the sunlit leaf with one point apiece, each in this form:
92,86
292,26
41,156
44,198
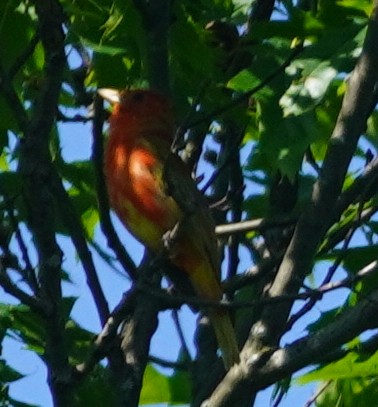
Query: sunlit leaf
348,367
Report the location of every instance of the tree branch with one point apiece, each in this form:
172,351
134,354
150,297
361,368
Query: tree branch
75,227
136,336
105,340
34,164
310,230
155,16
8,286
168,300
255,224
29,273
314,222
272,366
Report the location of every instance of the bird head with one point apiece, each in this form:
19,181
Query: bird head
142,108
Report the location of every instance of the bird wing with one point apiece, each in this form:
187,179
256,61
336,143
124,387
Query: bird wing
197,222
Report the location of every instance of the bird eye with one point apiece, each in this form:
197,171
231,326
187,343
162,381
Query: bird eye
138,96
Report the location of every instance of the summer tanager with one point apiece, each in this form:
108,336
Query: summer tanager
153,193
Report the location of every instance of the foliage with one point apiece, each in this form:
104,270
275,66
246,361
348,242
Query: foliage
257,90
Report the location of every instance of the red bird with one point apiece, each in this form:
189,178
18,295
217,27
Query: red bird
140,171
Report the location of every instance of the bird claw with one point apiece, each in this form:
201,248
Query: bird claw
170,236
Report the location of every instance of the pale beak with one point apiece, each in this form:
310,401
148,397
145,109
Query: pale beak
110,95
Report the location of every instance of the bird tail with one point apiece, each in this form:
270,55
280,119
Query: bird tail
225,334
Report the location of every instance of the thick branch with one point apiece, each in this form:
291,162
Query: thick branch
303,352
136,337
34,167
105,340
155,16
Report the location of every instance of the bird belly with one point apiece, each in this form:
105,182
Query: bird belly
143,225
145,212
137,193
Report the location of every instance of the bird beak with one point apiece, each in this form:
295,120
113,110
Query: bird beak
110,95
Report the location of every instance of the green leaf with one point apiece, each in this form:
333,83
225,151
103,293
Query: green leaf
96,390
8,374
25,324
372,129
283,142
354,259
256,205
349,393
193,60
300,25
181,391
373,226
325,319
243,81
158,388
109,50
16,31
90,219
351,366
155,388
7,122
10,184
78,173
79,341
114,70
320,63
301,97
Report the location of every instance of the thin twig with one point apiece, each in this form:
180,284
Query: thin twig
256,224
34,303
169,300
250,276
235,102
23,58
332,270
225,164
61,117
317,394
335,238
180,332
12,99
29,272
166,363
181,129
350,195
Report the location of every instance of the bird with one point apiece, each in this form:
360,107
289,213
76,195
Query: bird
154,195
